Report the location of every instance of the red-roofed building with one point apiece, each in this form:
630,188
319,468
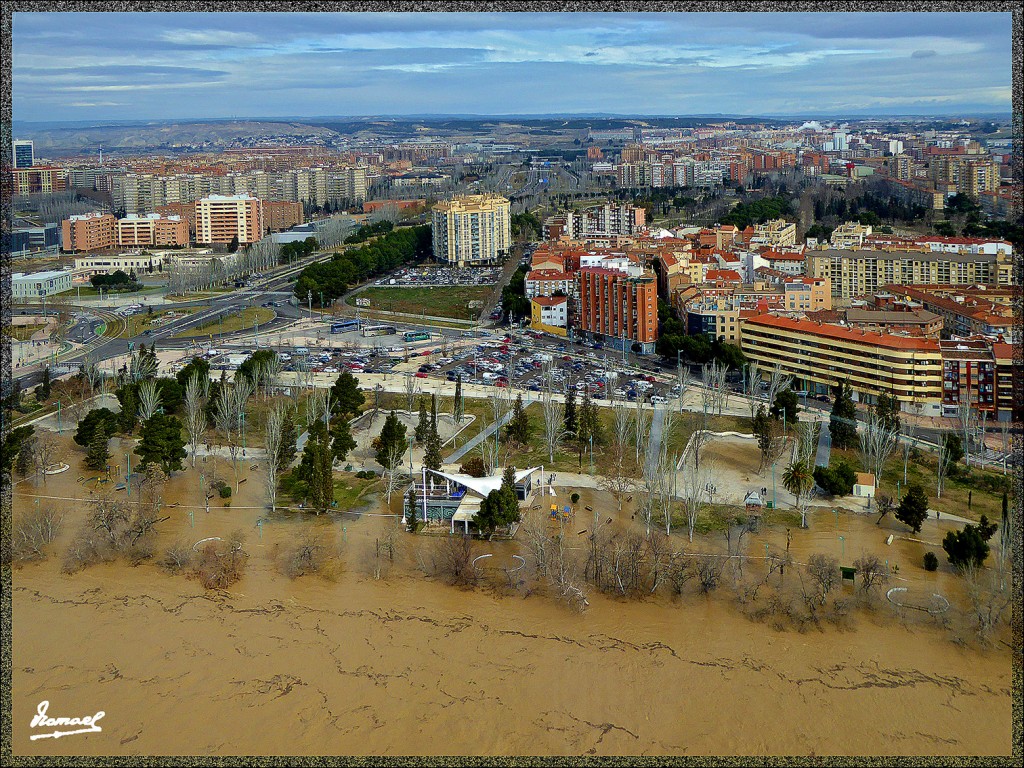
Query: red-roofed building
546,282
818,355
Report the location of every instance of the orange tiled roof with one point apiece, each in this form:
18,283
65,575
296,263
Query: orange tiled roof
839,333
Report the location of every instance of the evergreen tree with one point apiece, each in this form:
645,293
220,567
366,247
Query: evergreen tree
570,419
345,393
589,421
913,508
457,408
432,455
100,420
13,453
97,456
423,425
316,467
289,437
433,412
969,546
411,507
842,424
161,442
341,438
887,409
786,406
129,399
391,443
43,390
518,429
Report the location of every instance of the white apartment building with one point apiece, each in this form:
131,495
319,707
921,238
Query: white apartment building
472,230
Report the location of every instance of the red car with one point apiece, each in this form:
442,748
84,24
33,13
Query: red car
650,379
566,357
420,375
501,383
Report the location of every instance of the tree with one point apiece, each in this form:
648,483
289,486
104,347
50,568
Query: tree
887,410
316,467
842,425
149,399
913,508
341,437
953,451
837,479
473,467
289,437
518,429
589,421
161,442
554,425
500,507
233,245
931,562
272,437
769,437
197,365
432,454
15,451
799,480
97,456
785,406
458,404
570,419
43,390
391,444
969,547
346,395
195,410
423,424
100,420
824,573
877,443
411,507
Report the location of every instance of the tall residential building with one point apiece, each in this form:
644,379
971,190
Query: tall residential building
347,184
22,154
221,218
41,179
609,219
472,230
152,229
90,232
618,309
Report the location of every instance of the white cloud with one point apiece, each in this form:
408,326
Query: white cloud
208,37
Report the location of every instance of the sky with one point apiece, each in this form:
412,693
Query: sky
109,66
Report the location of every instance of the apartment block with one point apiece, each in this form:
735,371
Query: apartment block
617,308
968,376
90,232
819,355
849,235
547,282
857,273
778,233
282,215
221,218
472,230
37,180
152,230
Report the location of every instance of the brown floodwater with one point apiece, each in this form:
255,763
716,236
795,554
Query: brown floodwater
410,666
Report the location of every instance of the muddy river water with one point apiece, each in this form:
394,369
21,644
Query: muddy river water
412,666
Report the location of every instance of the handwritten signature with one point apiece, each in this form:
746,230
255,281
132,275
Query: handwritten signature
88,724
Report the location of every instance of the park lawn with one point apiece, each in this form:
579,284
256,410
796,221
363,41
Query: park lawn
350,491
237,321
138,324
24,332
438,301
955,492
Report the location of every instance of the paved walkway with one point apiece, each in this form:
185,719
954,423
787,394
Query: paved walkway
824,446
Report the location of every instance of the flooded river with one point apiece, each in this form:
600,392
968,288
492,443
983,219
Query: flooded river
411,666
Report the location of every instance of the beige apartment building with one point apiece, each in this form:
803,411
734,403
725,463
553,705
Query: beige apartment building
152,229
774,234
857,273
221,218
849,235
472,230
818,355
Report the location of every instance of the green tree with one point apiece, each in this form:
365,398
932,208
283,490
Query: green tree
913,508
432,454
43,390
457,407
195,365
128,396
341,437
954,451
316,467
423,424
589,421
786,405
391,443
289,438
518,429
969,546
13,443
346,395
102,420
97,456
887,409
411,507
500,507
842,425
570,417
837,479
161,442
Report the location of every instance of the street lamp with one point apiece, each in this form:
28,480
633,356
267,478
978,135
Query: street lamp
128,477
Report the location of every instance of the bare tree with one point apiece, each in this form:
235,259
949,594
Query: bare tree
877,443
224,419
967,421
641,427
32,531
149,399
906,446
1004,433
410,391
554,425
44,450
684,380
942,469
872,572
807,441
824,573
393,477
752,387
195,413
777,381
692,491
316,405
718,372
988,597
273,436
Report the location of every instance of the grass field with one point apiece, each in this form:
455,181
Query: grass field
439,301
141,323
24,332
229,323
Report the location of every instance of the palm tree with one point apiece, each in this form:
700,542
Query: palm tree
798,480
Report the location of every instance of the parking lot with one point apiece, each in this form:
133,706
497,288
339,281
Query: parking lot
442,276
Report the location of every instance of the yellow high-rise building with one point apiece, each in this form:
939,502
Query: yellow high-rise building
472,230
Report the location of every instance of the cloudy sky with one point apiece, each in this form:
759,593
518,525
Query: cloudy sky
86,66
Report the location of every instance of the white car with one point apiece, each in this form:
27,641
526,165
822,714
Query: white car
656,399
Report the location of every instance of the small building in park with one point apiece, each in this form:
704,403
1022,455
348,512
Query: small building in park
456,497
865,485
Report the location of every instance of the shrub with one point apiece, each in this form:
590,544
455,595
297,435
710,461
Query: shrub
225,491
931,562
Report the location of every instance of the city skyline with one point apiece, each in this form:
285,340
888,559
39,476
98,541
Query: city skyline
209,65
